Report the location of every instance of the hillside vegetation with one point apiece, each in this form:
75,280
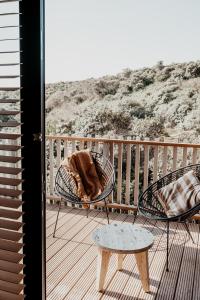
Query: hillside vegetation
162,101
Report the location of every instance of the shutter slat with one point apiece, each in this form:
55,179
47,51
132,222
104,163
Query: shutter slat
11,203
9,100
11,225
9,52
10,124
9,65
8,112
10,159
10,296
10,214
10,235
11,267
9,14
9,170
9,76
10,256
11,277
13,39
9,26
10,147
10,181
11,287
9,89
7,1
9,136
10,192
10,245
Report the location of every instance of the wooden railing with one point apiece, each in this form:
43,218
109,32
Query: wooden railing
137,163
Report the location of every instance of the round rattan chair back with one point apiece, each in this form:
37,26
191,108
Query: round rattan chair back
66,188
150,207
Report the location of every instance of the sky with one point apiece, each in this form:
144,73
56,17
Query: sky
92,38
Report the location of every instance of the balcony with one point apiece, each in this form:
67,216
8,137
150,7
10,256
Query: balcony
71,256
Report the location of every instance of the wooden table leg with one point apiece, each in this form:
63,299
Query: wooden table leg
102,267
120,258
143,267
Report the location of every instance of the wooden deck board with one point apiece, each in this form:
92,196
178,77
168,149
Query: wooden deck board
71,261
51,222
169,279
62,221
187,269
196,286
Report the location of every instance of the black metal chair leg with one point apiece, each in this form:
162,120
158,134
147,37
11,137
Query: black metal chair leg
167,262
188,231
135,216
106,210
87,210
57,218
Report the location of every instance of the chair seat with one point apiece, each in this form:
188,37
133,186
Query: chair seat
149,205
65,185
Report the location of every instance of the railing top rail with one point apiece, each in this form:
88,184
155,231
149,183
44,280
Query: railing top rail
120,141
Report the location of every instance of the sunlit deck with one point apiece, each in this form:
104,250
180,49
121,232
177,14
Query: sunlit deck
71,260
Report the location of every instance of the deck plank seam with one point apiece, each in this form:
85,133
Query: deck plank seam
196,256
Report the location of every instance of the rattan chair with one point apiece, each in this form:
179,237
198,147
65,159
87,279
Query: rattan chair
65,185
150,207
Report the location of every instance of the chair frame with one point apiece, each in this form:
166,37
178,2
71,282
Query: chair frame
150,207
67,192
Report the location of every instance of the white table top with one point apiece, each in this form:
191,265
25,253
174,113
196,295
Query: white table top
123,238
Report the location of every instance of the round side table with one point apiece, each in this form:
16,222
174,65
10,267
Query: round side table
122,239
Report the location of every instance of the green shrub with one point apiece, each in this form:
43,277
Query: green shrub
103,88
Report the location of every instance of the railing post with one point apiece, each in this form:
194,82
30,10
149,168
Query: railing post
137,174
165,160
51,167
174,158
155,164
184,157
58,153
146,165
119,175
128,173
194,156
111,151
73,146
65,148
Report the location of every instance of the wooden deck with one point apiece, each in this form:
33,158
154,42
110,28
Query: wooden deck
71,261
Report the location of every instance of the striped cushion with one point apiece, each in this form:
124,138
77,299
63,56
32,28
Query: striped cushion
180,195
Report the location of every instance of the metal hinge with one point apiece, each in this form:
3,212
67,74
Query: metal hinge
37,137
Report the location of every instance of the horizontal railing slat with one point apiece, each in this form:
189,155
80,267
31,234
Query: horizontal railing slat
121,141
